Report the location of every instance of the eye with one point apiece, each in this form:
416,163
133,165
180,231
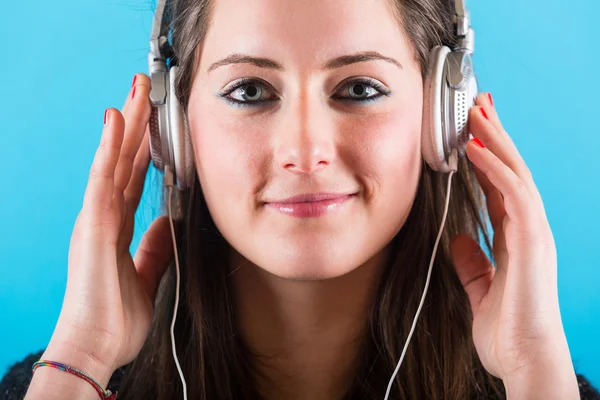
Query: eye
362,90
246,92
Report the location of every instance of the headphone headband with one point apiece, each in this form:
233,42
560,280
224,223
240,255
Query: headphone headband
160,52
462,27
461,18
159,38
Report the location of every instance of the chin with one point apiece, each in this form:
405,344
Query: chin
309,264
312,255
308,273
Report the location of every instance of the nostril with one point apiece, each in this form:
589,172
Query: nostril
301,169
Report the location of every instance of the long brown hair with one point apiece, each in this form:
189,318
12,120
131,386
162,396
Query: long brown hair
441,361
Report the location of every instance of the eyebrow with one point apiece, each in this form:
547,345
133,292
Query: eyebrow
334,63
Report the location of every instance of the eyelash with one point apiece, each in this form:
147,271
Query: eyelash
251,82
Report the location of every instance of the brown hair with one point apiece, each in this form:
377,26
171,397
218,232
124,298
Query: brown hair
441,361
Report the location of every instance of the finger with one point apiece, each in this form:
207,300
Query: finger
135,188
484,100
129,95
98,194
154,254
497,140
493,198
517,199
473,268
136,120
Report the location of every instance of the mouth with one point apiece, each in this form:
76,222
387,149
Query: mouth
311,205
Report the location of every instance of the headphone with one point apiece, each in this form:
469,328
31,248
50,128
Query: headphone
170,144
449,91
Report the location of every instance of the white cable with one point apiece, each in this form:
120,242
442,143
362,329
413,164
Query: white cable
453,162
169,183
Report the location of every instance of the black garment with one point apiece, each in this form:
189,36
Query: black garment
15,383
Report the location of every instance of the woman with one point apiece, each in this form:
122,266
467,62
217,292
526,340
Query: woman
276,305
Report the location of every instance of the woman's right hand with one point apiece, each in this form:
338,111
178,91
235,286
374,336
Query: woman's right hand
108,305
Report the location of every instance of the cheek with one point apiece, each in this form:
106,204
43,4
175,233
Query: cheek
385,151
229,159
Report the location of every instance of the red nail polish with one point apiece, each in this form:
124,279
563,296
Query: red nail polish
479,143
490,97
133,94
105,116
484,113
134,79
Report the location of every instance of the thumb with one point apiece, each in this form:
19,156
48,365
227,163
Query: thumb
154,254
473,268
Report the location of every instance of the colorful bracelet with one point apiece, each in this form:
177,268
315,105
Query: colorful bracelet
104,394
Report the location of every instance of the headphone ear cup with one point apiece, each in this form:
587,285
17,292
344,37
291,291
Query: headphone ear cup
182,153
432,139
155,141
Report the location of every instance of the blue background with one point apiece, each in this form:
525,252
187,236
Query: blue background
67,60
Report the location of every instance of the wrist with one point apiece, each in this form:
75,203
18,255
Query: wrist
49,381
91,353
69,353
52,384
543,381
545,372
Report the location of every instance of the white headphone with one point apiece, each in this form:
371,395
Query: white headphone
170,143
449,91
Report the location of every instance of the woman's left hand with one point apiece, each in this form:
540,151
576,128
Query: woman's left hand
517,325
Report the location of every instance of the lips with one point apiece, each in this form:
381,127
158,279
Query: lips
311,205
311,197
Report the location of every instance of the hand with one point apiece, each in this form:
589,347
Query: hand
109,300
516,316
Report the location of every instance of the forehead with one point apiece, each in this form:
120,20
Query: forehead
303,31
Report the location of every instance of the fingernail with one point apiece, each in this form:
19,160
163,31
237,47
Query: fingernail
106,116
479,143
490,97
133,93
484,113
134,79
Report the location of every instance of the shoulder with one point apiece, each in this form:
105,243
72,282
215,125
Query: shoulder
14,384
586,390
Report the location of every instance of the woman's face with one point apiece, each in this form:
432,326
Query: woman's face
311,122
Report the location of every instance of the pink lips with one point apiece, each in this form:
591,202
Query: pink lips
310,205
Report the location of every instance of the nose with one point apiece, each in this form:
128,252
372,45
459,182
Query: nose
305,142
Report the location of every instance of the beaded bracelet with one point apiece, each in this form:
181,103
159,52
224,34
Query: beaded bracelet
104,394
